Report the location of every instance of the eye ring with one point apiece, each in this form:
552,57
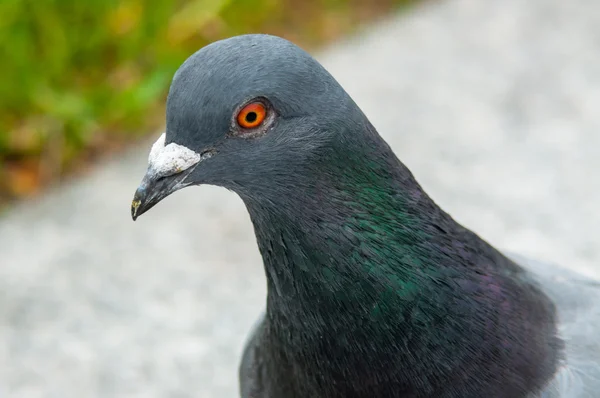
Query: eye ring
252,115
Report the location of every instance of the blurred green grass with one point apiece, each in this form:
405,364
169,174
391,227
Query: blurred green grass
80,79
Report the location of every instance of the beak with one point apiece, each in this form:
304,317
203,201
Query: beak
155,188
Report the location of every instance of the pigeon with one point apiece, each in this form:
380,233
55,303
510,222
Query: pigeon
372,289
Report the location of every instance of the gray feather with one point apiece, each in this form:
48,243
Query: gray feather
577,300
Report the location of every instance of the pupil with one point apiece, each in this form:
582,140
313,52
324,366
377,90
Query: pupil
251,117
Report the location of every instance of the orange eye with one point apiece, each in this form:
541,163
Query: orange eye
252,115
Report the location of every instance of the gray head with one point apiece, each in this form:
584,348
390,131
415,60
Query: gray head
246,113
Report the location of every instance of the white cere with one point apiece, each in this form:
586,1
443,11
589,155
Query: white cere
171,159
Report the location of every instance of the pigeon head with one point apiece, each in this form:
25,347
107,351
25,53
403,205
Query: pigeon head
372,289
247,113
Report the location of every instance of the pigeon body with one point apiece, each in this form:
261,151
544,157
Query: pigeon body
373,290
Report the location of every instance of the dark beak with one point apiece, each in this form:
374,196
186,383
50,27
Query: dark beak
155,188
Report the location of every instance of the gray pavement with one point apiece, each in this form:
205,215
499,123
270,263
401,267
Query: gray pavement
494,105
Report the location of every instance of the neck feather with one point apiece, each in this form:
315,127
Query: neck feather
368,274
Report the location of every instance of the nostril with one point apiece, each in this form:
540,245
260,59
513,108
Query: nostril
208,153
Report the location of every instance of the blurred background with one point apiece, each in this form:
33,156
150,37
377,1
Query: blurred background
83,79
493,105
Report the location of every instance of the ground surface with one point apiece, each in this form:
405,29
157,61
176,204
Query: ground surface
492,104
